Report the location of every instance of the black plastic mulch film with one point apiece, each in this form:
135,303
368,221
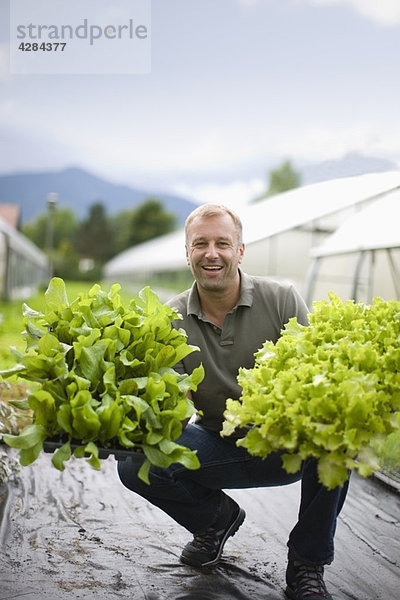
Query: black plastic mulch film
79,534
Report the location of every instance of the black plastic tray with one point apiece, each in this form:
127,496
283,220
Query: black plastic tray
120,453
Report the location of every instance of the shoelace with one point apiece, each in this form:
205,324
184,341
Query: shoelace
309,580
208,540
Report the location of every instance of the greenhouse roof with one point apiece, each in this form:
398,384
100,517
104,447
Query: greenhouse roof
374,227
164,253
21,244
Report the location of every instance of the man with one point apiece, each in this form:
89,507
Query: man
229,315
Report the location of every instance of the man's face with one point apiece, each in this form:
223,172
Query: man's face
213,252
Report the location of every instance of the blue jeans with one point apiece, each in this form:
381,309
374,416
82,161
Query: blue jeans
192,497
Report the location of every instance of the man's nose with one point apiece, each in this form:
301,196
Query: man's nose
211,250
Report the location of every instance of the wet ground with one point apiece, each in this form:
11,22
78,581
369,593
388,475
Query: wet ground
80,535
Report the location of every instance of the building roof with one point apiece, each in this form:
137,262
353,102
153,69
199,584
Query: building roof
10,213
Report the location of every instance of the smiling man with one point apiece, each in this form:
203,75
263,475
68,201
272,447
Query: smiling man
229,315
214,250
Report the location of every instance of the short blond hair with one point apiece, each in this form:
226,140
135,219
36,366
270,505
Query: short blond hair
215,210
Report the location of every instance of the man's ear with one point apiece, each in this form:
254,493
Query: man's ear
241,252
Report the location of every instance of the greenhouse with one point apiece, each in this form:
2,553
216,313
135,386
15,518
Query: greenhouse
362,256
280,233
23,266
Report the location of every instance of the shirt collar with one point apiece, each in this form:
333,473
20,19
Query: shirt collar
245,298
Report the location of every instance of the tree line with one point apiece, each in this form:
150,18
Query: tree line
79,248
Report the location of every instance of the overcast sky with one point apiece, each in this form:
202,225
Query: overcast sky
236,86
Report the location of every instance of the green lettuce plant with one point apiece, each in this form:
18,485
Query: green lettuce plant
330,390
103,377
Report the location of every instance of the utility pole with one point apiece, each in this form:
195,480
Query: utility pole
52,198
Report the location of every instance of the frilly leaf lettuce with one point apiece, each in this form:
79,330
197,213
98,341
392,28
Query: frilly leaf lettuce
329,390
104,376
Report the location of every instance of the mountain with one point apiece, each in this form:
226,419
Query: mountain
78,190
349,165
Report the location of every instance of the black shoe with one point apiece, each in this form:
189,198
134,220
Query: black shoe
305,582
206,547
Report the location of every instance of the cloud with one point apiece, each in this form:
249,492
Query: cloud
325,141
383,12
249,2
4,62
235,195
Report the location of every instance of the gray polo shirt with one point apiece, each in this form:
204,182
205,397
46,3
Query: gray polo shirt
264,307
